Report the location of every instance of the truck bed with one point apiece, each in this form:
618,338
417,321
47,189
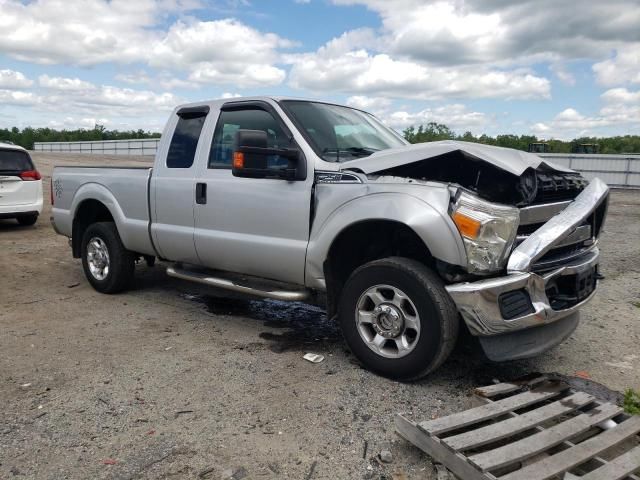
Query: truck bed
123,190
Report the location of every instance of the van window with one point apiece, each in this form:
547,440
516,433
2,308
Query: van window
231,121
185,141
14,161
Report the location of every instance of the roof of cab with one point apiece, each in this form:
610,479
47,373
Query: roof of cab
221,101
10,146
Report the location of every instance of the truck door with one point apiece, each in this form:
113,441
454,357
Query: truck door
254,226
173,184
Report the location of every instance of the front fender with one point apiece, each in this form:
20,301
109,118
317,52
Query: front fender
429,219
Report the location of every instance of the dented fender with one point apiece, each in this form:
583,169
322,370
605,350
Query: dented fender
422,208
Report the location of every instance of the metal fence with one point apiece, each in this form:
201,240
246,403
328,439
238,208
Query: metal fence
146,146
621,171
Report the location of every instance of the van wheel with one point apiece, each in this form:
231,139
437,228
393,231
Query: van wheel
397,318
27,220
107,264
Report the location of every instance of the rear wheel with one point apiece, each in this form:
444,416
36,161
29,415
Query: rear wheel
27,220
397,318
107,264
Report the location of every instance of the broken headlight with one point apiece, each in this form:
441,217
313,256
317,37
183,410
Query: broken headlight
488,231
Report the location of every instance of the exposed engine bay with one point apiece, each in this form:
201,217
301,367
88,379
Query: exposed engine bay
492,183
496,174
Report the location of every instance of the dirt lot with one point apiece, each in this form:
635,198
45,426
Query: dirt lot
171,380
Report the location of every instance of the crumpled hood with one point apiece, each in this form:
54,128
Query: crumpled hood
508,159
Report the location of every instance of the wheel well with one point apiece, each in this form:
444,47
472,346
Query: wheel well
364,242
88,212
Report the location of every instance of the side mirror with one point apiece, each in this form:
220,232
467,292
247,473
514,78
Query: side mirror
251,158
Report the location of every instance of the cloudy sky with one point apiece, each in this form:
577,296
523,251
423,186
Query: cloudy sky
555,68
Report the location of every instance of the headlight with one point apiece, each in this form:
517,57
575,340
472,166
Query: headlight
488,231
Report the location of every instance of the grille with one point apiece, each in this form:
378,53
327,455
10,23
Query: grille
556,187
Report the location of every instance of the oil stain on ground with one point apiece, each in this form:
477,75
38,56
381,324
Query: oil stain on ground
305,325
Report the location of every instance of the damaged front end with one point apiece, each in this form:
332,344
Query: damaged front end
530,231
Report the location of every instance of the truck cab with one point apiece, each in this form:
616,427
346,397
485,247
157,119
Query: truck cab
316,202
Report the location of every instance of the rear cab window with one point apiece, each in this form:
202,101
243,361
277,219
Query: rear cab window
13,162
184,142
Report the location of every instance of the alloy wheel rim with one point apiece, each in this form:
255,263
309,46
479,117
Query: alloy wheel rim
98,258
387,321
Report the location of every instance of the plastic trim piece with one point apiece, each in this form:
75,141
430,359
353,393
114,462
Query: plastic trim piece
558,228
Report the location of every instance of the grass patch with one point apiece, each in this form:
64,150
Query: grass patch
636,304
631,402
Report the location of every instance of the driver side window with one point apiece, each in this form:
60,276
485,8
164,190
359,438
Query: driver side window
230,122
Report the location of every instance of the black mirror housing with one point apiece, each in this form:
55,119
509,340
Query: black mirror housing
251,153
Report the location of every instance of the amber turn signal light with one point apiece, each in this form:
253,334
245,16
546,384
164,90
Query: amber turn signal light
467,226
238,160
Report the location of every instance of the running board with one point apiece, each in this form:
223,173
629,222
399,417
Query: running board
234,285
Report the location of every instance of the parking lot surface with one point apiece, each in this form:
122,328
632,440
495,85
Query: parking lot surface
174,380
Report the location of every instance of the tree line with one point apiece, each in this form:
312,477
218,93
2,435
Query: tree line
437,131
28,135
424,133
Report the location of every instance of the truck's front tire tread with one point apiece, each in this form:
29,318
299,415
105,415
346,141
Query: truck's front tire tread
430,297
122,261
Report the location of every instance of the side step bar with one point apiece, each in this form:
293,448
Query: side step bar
234,285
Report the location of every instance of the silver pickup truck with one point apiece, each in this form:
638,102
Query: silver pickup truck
320,203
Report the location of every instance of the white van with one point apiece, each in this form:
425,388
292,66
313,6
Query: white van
20,185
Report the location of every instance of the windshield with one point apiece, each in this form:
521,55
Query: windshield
338,134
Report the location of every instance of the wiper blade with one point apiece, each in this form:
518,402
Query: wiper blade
354,151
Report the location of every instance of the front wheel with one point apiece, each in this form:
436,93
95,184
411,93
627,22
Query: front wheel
107,264
397,318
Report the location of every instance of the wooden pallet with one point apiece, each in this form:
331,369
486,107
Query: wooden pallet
537,429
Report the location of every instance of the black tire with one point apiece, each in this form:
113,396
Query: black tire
439,319
27,220
121,260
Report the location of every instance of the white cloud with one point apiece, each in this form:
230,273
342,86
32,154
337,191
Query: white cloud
621,109
164,80
621,96
12,97
563,74
623,68
221,51
369,104
66,84
478,31
10,79
85,100
90,32
360,72
455,116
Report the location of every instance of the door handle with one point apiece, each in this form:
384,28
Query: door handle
201,193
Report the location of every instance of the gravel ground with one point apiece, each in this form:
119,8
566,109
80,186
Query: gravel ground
171,380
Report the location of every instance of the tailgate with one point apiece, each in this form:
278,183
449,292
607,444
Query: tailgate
14,190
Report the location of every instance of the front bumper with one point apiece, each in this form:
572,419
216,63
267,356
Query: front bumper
479,302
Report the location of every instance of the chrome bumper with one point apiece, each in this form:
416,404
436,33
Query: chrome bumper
478,302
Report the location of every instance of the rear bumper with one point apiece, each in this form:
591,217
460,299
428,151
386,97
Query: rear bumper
486,305
11,211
